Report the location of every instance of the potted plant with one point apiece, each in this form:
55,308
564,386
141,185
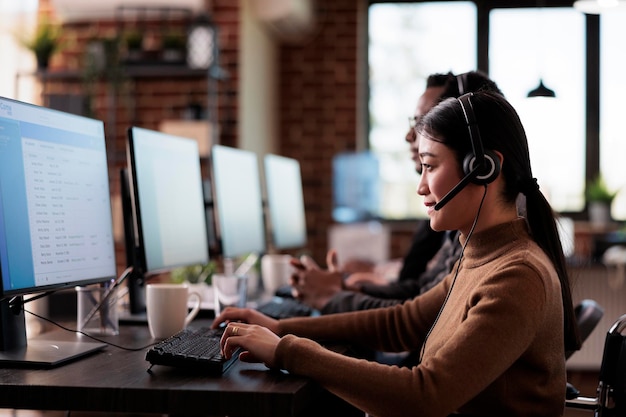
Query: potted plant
173,47
44,42
198,277
133,40
599,198
195,274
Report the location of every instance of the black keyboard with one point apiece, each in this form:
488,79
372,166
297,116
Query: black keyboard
194,349
283,308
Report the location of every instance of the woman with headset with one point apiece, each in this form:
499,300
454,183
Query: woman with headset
493,332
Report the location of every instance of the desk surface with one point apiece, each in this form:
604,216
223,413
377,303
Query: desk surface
116,380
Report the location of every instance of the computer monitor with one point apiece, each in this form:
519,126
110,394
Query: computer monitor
285,202
238,201
166,208
55,220
356,187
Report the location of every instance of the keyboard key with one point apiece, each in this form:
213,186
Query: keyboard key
283,308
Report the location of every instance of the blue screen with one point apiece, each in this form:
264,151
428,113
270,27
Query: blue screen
55,209
356,187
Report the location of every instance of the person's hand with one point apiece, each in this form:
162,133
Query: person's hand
258,343
354,281
314,286
352,266
382,274
245,315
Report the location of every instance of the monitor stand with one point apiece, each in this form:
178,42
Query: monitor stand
47,353
136,313
16,351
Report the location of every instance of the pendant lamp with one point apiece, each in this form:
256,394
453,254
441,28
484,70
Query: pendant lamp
541,91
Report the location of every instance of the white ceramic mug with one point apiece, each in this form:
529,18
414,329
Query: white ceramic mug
276,271
167,307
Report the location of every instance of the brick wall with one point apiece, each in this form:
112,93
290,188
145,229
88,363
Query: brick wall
142,95
317,100
318,90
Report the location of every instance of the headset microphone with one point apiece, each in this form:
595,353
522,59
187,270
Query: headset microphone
480,167
456,189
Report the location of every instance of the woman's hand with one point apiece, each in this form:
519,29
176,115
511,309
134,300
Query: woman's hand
257,343
356,280
245,315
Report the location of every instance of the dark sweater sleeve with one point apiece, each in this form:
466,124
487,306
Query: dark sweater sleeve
401,290
439,266
352,301
426,242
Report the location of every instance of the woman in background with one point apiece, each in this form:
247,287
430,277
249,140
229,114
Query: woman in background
493,333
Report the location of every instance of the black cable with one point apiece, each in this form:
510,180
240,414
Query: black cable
88,335
456,273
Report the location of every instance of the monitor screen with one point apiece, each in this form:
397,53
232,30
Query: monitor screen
55,209
238,201
285,202
55,219
356,187
167,201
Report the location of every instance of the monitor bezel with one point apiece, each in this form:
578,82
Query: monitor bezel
140,262
217,208
272,213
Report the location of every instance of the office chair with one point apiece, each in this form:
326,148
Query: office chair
588,315
610,400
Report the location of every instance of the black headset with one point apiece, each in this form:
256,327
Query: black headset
480,167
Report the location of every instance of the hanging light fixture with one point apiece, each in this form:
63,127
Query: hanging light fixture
201,43
599,6
541,91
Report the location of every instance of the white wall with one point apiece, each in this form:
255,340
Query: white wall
257,120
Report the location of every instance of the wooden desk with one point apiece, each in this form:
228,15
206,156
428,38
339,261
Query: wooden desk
115,380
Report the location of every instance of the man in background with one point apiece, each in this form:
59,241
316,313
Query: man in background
431,255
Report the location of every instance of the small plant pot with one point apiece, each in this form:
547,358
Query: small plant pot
599,213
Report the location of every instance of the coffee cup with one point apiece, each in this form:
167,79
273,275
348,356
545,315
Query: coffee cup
276,271
167,307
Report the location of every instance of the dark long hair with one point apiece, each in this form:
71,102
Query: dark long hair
501,129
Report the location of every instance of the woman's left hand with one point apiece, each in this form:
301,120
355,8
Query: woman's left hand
258,343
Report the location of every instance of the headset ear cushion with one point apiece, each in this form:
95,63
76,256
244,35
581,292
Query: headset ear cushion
486,175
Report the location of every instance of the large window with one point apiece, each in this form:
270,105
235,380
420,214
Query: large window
407,43
553,52
16,17
612,95
525,46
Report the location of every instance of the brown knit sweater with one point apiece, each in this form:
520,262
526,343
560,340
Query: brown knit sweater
496,350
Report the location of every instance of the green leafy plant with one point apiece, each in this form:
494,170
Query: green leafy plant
173,40
598,191
195,274
133,40
45,41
